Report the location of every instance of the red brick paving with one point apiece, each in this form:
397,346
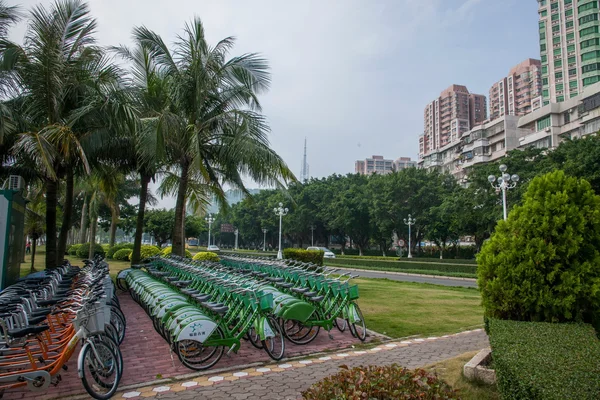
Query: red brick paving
147,356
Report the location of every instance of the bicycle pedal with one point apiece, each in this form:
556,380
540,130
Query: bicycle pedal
65,367
56,380
41,360
330,336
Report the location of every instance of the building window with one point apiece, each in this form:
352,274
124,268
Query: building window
573,84
569,24
567,117
556,40
570,35
571,60
588,31
573,72
590,55
559,87
543,123
570,48
555,17
556,28
569,12
589,6
545,93
589,68
545,81
544,58
560,99
557,51
590,42
554,6
588,18
544,13
544,69
591,80
558,75
558,63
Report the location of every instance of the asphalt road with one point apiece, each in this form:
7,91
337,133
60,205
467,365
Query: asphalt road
413,278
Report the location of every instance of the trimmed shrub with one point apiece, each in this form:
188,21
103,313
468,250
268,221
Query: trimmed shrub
105,246
72,251
392,265
543,263
122,255
148,251
414,260
84,250
375,382
206,256
544,361
309,256
117,247
168,250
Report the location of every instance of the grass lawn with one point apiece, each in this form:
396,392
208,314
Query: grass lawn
400,309
451,372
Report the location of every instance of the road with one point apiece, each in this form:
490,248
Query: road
413,278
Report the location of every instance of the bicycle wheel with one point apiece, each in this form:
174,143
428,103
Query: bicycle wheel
275,346
196,355
254,338
112,344
298,333
357,326
100,372
117,321
341,324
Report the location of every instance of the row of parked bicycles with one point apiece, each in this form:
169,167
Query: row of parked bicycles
45,317
203,308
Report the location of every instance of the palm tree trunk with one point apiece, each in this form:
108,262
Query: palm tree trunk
51,200
66,222
33,247
84,219
114,220
93,224
139,227
178,243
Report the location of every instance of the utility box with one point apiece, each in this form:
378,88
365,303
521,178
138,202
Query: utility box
12,236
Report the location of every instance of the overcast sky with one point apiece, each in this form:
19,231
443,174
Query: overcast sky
352,76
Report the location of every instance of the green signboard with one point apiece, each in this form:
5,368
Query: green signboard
12,237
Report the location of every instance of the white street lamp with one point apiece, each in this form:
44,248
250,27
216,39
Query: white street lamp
312,235
210,219
236,238
504,182
410,222
265,239
281,212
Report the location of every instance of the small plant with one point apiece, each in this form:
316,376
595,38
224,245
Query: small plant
122,255
84,250
206,256
380,383
148,251
168,250
117,247
72,251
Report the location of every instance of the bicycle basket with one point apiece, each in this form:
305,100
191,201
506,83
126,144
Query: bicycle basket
353,292
266,302
92,319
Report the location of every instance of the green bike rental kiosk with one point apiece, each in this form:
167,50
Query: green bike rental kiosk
12,238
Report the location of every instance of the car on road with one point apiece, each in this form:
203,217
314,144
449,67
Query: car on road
212,247
327,253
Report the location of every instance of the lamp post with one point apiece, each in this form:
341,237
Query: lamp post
237,231
410,222
281,212
265,239
210,219
312,235
504,182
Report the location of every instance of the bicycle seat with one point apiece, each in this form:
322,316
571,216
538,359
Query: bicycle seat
310,294
189,292
219,310
201,297
317,298
171,279
36,320
285,285
41,311
43,303
30,330
276,280
299,290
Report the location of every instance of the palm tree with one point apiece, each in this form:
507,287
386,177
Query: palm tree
215,132
72,97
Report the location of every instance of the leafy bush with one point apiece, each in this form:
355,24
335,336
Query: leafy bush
400,266
543,264
168,250
117,247
540,360
309,256
148,251
84,250
122,255
375,382
206,256
105,246
72,250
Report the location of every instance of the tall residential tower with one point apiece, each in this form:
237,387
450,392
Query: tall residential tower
569,47
446,118
519,93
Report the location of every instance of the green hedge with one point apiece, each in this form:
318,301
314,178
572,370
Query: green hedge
117,247
122,255
148,251
72,250
415,260
404,265
545,361
84,250
206,256
310,256
168,250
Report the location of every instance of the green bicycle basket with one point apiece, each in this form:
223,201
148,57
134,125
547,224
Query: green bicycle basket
353,292
266,302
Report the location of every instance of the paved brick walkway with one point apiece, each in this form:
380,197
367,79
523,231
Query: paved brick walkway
287,381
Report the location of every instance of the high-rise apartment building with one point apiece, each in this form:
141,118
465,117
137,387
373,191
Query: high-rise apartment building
455,112
569,47
403,163
519,93
375,164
